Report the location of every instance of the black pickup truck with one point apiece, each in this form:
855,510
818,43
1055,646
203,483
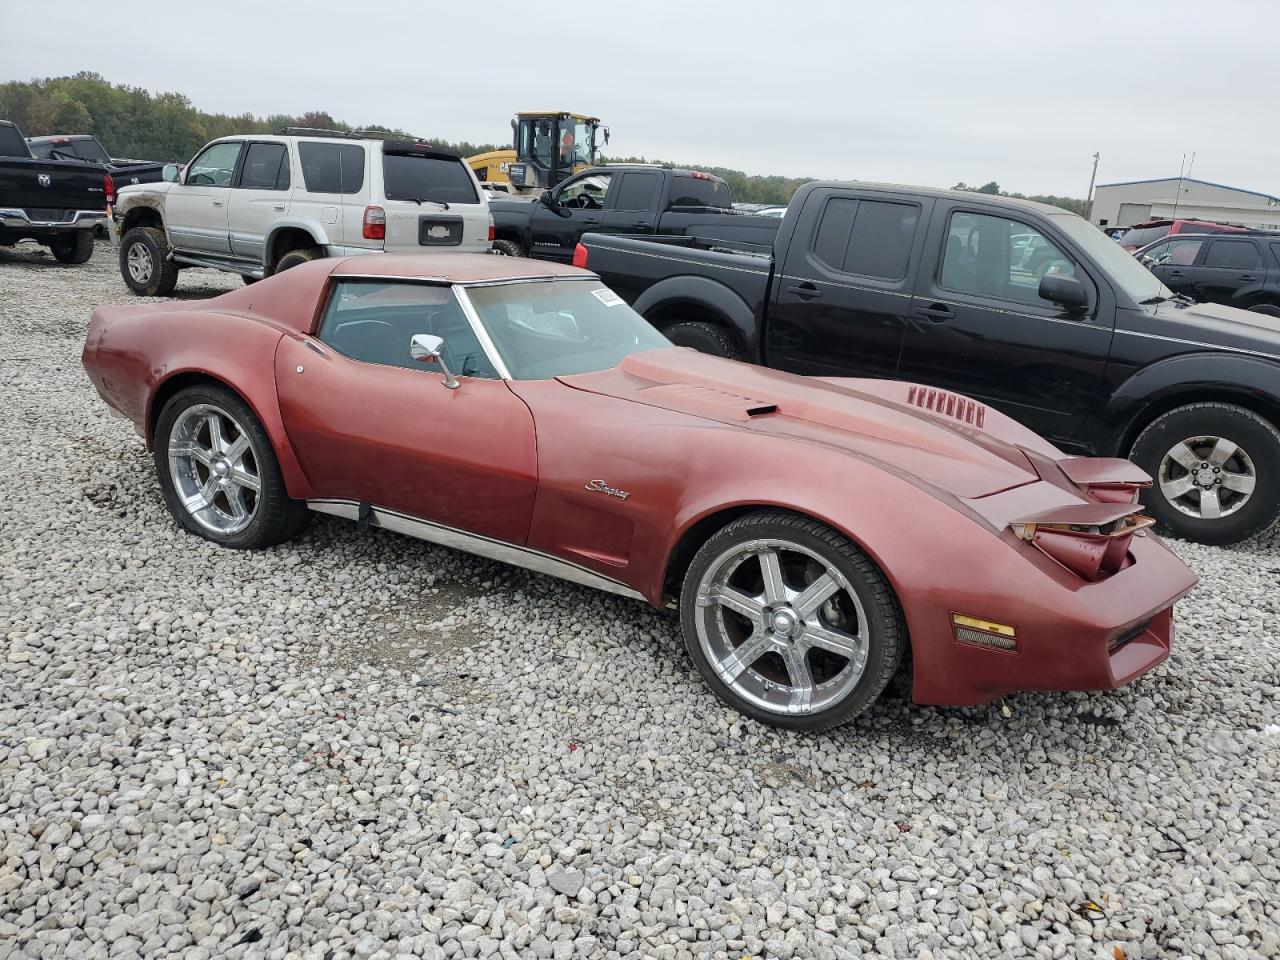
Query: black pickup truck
84,146
1022,306
58,203
632,199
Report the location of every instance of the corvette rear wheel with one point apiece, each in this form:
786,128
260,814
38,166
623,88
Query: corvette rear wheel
789,622
219,473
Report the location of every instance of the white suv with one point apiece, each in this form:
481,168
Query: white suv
256,205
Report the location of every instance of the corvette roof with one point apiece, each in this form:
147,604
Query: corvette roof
452,267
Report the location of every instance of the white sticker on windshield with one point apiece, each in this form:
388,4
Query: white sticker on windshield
607,297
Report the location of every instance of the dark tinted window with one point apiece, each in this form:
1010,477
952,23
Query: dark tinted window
1141,236
11,143
1195,226
266,167
1275,252
1238,254
869,238
89,150
409,176
332,167
636,192
987,256
698,192
41,151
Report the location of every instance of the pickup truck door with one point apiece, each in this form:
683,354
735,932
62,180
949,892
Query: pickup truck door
979,327
578,205
633,204
842,293
259,198
196,210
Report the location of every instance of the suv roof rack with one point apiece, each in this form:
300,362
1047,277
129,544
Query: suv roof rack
347,134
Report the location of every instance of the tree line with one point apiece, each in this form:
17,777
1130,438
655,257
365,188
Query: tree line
133,122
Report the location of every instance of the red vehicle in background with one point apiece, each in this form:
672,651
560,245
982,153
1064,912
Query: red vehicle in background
1141,234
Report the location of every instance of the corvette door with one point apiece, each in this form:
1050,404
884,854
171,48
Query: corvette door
370,424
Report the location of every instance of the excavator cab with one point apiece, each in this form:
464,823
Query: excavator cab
549,146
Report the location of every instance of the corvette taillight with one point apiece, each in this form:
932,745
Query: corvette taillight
1089,539
375,223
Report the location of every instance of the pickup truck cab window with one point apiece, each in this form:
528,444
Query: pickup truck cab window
988,256
216,165
867,238
635,192
373,322
700,191
586,193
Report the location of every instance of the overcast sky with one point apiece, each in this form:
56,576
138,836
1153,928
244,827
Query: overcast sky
913,91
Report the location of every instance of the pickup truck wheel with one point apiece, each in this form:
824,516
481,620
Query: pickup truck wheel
1216,472
145,264
705,338
297,257
789,622
219,473
77,248
1270,309
508,248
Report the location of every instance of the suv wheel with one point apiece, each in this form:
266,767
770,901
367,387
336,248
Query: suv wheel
145,264
77,248
296,258
1216,468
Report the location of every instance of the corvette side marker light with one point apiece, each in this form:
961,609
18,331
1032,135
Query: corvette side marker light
984,633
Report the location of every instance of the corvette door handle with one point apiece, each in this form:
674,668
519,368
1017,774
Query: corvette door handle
805,291
936,312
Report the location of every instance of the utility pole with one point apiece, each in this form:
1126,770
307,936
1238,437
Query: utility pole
1093,176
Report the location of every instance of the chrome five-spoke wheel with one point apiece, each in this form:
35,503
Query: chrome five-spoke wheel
213,468
1207,477
140,264
789,621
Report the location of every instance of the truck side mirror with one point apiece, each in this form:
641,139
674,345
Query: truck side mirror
169,173
547,200
1067,292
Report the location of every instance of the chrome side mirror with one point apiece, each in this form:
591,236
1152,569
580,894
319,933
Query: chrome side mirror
426,348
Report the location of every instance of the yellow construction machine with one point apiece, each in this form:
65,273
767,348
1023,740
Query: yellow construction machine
549,145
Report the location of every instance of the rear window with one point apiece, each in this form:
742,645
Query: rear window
409,176
1141,236
1196,226
332,167
11,143
89,150
41,151
697,192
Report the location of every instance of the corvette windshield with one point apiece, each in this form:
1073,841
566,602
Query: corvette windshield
554,328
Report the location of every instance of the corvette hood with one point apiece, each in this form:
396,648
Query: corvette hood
944,450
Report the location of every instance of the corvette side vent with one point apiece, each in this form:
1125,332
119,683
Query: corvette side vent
947,405
699,399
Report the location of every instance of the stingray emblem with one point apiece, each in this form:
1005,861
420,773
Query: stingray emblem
599,486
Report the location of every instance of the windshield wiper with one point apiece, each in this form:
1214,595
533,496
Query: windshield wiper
421,200
1178,297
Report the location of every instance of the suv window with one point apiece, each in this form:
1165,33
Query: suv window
373,322
687,191
1141,236
586,193
266,167
988,256
332,167
869,238
1238,254
408,176
636,191
215,166
1175,252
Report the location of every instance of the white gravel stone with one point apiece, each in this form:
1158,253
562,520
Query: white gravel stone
358,745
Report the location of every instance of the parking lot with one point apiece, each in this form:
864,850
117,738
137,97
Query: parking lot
362,746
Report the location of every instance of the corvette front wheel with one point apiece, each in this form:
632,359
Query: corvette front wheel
789,622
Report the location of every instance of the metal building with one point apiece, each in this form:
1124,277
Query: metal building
1133,201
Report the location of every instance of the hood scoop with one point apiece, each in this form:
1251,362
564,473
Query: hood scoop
947,405
706,401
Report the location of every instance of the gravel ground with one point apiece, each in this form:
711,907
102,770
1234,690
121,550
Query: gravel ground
360,746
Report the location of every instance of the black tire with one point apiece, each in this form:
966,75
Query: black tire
74,249
276,516
508,248
163,276
296,258
887,635
1270,309
1254,435
705,338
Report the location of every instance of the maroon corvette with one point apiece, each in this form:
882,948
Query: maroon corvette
808,530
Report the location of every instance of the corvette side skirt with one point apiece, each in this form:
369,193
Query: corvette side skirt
470,543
